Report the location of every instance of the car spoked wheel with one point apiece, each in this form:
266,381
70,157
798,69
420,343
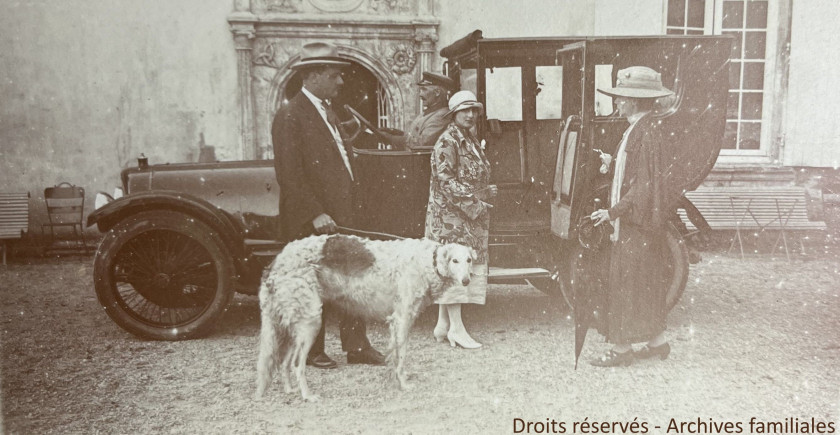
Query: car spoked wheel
676,267
163,275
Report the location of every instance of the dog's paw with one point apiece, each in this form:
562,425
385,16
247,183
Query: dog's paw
312,398
405,386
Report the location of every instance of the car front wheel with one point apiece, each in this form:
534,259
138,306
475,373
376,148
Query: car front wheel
163,275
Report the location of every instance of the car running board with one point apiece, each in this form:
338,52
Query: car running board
502,274
270,248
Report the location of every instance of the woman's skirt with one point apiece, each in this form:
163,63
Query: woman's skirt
636,297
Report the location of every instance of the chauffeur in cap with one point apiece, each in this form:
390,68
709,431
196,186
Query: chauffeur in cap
315,172
636,290
426,128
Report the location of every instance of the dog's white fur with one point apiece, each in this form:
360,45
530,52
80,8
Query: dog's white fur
392,281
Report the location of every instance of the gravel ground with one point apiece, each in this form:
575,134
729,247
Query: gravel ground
758,337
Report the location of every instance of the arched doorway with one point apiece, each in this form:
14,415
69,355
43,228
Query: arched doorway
362,91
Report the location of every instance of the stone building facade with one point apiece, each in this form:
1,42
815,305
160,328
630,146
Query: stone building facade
390,41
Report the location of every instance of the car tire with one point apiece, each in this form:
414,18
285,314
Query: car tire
678,263
164,275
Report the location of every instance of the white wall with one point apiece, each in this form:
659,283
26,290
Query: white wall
87,85
812,128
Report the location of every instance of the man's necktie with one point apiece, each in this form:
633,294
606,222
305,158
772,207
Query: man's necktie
332,118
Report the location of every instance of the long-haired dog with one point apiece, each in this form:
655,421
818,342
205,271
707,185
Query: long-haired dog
384,280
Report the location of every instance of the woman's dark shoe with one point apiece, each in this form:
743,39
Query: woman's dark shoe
614,359
662,351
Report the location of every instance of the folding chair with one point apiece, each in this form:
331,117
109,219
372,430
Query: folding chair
65,208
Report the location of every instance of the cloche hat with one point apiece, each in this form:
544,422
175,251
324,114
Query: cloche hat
638,82
463,100
319,53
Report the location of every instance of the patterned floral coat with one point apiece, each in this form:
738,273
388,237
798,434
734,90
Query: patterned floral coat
456,212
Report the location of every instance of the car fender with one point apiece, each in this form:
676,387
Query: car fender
228,230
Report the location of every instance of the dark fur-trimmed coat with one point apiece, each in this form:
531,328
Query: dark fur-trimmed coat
635,297
644,195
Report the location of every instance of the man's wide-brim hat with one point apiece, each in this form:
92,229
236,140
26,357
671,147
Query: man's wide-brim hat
638,82
462,100
319,53
435,79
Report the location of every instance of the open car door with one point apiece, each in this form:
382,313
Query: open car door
571,59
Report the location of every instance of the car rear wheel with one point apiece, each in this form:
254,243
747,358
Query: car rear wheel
163,275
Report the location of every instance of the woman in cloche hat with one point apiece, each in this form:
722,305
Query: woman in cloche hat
458,211
637,286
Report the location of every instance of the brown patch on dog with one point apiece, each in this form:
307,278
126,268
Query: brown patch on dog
346,255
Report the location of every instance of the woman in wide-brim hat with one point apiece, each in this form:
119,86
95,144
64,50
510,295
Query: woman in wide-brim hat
459,211
635,305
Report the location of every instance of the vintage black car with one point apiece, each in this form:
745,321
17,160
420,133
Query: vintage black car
185,237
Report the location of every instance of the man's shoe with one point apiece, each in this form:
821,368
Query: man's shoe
321,361
366,356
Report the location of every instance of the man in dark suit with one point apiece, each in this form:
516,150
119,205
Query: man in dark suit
315,173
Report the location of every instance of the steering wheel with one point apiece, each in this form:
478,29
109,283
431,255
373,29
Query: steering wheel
361,119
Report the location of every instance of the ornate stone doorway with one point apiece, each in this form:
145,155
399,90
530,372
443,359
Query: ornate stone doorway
389,42
361,90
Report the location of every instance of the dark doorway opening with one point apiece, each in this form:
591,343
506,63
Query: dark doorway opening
361,91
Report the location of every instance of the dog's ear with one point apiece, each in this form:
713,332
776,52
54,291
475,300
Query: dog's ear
441,259
473,254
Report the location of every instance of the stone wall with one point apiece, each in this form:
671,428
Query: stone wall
87,85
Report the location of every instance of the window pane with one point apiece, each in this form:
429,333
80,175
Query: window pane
549,92
696,13
468,80
676,13
751,105
675,32
753,75
750,136
729,136
757,15
732,105
755,45
735,75
733,14
603,80
694,32
504,93
736,44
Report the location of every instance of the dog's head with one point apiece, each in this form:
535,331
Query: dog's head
454,262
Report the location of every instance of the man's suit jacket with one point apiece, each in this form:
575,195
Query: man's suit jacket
310,170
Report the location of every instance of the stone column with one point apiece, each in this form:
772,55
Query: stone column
426,38
243,37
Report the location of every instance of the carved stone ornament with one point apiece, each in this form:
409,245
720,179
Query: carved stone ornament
401,58
336,5
282,6
265,56
383,5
